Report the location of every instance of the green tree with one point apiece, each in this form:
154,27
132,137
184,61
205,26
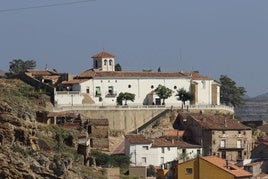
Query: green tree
163,92
184,96
117,67
230,94
18,66
125,97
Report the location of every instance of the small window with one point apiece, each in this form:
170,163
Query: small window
145,147
110,62
184,151
175,87
163,150
152,87
105,62
168,148
239,132
143,159
129,86
188,171
223,132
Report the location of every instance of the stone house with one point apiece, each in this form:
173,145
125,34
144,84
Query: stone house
218,135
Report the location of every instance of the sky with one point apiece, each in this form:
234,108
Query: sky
213,37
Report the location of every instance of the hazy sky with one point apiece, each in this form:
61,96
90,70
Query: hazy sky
214,37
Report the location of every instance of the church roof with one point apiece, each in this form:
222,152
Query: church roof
123,74
103,54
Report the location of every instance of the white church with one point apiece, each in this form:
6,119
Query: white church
102,84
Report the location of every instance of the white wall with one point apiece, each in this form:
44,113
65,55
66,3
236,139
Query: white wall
204,91
68,98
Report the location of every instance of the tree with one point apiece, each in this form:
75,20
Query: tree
163,93
184,96
117,67
18,66
125,97
230,94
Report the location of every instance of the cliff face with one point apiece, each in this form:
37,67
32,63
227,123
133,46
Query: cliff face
29,149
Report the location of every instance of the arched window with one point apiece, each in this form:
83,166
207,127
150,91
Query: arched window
110,62
105,62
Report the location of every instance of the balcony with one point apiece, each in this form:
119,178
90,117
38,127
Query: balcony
231,147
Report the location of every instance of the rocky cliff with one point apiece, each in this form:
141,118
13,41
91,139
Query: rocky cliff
29,149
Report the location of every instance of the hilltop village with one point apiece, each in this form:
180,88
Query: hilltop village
164,136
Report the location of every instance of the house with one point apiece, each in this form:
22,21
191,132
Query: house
219,135
157,151
259,153
102,84
210,167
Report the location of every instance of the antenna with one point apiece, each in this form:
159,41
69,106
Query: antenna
180,59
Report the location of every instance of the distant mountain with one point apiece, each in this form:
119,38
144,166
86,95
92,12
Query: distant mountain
254,109
262,97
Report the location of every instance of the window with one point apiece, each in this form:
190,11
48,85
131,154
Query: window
163,150
110,89
152,87
143,160
98,91
175,87
222,144
145,147
105,62
129,86
188,171
223,154
168,148
239,155
239,143
239,132
87,89
198,152
95,63
162,160
110,62
184,151
203,84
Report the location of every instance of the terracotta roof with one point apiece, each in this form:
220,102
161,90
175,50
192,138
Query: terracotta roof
197,76
103,54
217,122
138,139
162,142
122,74
44,72
120,149
232,169
74,81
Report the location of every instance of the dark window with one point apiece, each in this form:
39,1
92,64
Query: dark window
152,87
239,154
105,62
110,62
223,154
129,86
175,87
189,171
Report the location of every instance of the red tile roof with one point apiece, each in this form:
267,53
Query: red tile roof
216,122
138,139
176,133
103,54
232,169
197,76
122,74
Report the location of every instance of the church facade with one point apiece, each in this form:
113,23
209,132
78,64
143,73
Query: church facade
101,85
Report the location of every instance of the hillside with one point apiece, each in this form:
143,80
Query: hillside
30,149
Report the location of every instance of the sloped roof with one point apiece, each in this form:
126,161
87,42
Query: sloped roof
176,133
43,72
103,54
217,122
138,139
162,142
197,76
232,169
122,74
74,81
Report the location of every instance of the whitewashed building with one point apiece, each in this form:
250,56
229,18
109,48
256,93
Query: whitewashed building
158,151
102,84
